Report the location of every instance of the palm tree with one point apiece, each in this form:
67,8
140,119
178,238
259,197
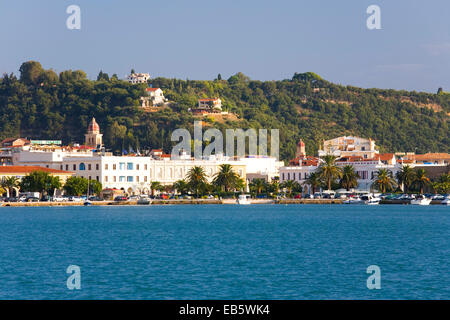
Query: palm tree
291,185
313,180
226,178
405,177
9,184
155,185
181,186
421,179
196,178
328,170
349,178
384,180
258,185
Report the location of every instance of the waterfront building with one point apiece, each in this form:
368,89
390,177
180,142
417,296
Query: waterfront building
21,171
353,151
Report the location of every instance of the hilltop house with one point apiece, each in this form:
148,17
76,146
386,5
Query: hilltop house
135,78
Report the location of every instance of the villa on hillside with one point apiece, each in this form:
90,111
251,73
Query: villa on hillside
135,78
155,97
208,105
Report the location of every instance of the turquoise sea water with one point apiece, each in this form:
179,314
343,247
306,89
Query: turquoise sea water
225,252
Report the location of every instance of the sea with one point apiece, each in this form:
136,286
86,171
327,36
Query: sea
173,252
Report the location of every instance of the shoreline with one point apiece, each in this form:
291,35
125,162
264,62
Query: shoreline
196,202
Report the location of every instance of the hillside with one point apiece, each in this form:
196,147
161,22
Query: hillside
44,105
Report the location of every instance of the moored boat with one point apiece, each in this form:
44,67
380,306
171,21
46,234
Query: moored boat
243,199
446,201
420,201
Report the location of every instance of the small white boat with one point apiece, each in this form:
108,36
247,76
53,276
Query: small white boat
421,201
243,199
446,201
143,200
354,200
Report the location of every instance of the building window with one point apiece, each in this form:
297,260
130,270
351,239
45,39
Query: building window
129,179
61,167
121,165
96,166
106,178
89,166
106,166
129,166
282,176
82,166
122,179
96,178
114,178
67,167
137,167
74,167
145,179
145,167
137,178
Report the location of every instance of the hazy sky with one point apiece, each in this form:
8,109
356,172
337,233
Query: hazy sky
266,40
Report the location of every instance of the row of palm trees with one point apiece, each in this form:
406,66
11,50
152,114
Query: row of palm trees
328,172
225,181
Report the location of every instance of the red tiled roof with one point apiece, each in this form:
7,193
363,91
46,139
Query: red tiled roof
384,156
152,89
29,169
432,156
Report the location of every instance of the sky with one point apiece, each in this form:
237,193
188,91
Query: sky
266,40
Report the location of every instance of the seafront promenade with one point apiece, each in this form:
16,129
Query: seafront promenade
195,202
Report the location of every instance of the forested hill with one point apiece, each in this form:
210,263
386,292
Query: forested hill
41,104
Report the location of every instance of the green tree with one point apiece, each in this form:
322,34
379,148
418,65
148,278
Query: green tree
154,186
405,176
227,179
349,178
76,186
328,170
421,180
196,178
258,186
40,181
181,186
95,187
291,186
8,184
384,180
314,181
30,72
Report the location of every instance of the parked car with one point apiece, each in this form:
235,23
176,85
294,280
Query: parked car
74,198
94,198
121,198
59,199
32,199
12,199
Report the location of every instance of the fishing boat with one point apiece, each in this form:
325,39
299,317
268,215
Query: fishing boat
243,199
421,201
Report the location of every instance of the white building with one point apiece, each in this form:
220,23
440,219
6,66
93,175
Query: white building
209,104
138,78
348,146
155,97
